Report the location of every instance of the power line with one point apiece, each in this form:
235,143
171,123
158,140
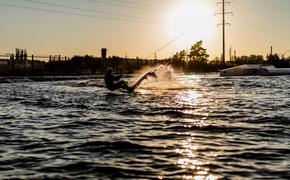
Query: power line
138,4
252,23
127,5
88,10
167,44
249,34
248,20
77,14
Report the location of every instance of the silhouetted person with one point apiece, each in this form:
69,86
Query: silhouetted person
113,82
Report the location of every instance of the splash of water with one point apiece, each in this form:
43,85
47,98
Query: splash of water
166,79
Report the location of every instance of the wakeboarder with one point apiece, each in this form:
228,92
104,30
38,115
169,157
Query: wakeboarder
114,83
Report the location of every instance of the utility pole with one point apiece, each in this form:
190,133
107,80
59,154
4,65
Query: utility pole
155,58
230,53
223,24
235,55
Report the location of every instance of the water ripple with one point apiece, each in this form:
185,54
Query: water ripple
211,127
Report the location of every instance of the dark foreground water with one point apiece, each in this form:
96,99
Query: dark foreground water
208,128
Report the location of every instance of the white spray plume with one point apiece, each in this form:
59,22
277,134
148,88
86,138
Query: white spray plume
166,79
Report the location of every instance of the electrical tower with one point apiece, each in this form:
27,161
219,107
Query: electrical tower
223,24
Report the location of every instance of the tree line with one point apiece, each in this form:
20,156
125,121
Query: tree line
195,59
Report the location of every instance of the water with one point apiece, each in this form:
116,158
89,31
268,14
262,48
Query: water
206,127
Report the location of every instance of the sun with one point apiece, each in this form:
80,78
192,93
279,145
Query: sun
192,19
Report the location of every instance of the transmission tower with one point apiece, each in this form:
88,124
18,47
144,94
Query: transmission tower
223,24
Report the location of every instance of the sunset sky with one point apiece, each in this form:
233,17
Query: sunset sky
138,28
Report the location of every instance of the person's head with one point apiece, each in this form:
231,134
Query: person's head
109,70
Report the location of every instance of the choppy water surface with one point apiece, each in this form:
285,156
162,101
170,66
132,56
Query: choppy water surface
211,128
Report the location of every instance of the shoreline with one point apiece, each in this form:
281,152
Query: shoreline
14,79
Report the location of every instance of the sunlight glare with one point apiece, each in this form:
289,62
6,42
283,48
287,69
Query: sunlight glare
193,19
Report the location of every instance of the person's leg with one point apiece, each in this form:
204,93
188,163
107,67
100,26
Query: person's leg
121,85
125,84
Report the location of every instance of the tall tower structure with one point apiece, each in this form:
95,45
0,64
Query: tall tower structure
104,57
223,24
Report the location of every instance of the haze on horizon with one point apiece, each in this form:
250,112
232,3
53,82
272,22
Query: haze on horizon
138,28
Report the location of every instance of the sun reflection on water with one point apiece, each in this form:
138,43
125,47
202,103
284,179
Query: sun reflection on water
190,161
188,98
196,106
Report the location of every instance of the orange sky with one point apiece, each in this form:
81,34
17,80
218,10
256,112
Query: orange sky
138,28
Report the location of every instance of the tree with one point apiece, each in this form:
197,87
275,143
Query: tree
277,62
198,53
182,55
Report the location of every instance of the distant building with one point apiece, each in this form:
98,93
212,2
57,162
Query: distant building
20,58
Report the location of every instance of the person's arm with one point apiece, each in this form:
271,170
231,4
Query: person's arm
117,78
